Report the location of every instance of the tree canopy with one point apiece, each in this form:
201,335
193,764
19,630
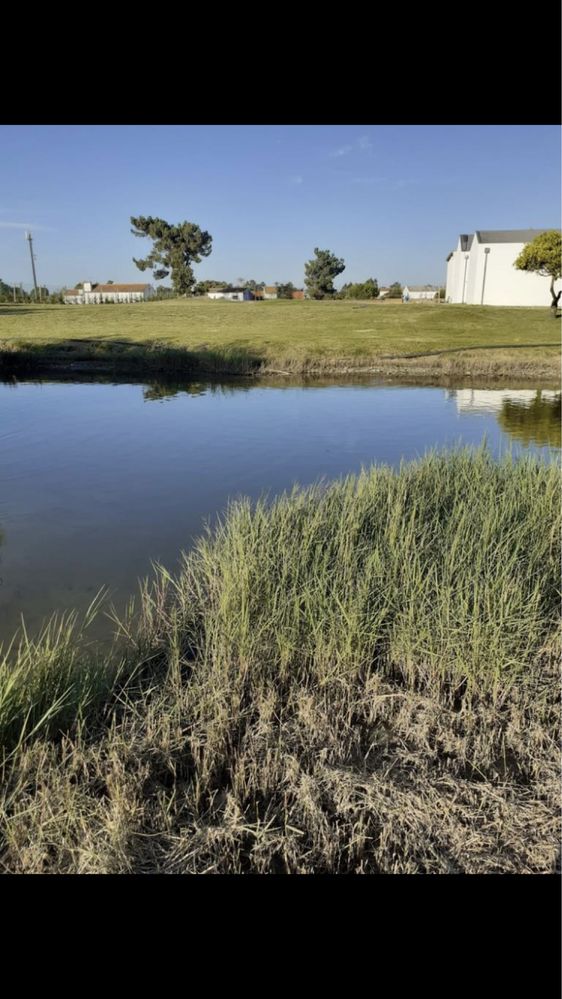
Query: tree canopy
543,255
176,248
320,273
285,290
365,289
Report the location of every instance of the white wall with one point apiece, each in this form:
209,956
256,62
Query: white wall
228,296
419,295
94,297
456,275
504,284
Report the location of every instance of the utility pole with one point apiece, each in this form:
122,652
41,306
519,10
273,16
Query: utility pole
464,279
28,237
486,252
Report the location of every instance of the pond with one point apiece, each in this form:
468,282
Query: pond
99,480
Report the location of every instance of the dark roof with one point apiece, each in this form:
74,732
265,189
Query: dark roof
507,235
108,287
119,287
421,287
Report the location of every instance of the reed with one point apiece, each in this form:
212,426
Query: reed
359,677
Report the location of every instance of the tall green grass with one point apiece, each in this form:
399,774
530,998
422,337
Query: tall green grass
445,572
360,676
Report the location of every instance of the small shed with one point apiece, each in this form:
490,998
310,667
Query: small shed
421,292
230,294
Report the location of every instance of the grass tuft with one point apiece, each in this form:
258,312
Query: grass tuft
360,677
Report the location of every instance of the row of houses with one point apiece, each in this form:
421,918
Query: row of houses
230,294
92,293
480,271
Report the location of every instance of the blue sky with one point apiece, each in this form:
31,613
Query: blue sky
389,199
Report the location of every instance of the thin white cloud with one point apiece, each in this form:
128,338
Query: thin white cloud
342,151
368,180
364,142
297,180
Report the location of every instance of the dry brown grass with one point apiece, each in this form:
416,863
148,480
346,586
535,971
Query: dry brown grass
392,781
362,679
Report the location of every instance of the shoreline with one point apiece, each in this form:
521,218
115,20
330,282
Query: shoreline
321,688
309,339
437,369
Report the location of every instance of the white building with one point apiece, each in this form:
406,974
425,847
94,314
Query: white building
93,294
230,294
481,271
420,293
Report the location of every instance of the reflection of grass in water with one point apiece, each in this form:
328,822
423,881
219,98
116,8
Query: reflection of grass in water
361,678
158,391
538,423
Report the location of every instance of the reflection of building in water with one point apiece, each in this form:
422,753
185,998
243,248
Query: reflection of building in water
531,416
492,400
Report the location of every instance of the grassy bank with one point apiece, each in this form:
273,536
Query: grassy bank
358,678
294,337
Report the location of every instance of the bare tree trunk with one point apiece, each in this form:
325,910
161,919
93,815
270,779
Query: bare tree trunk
555,300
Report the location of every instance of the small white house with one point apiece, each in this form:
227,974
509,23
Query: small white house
421,292
481,270
231,294
269,292
94,294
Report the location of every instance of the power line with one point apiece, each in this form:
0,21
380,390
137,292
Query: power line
29,238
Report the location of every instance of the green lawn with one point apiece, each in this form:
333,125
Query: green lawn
293,335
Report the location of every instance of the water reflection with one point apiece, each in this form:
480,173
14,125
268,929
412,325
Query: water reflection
530,416
161,391
102,478
536,423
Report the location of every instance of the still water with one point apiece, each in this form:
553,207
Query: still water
99,480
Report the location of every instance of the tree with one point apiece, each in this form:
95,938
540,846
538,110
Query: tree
365,289
320,273
285,290
544,256
395,290
176,248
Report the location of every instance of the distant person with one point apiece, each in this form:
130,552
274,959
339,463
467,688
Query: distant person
405,297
